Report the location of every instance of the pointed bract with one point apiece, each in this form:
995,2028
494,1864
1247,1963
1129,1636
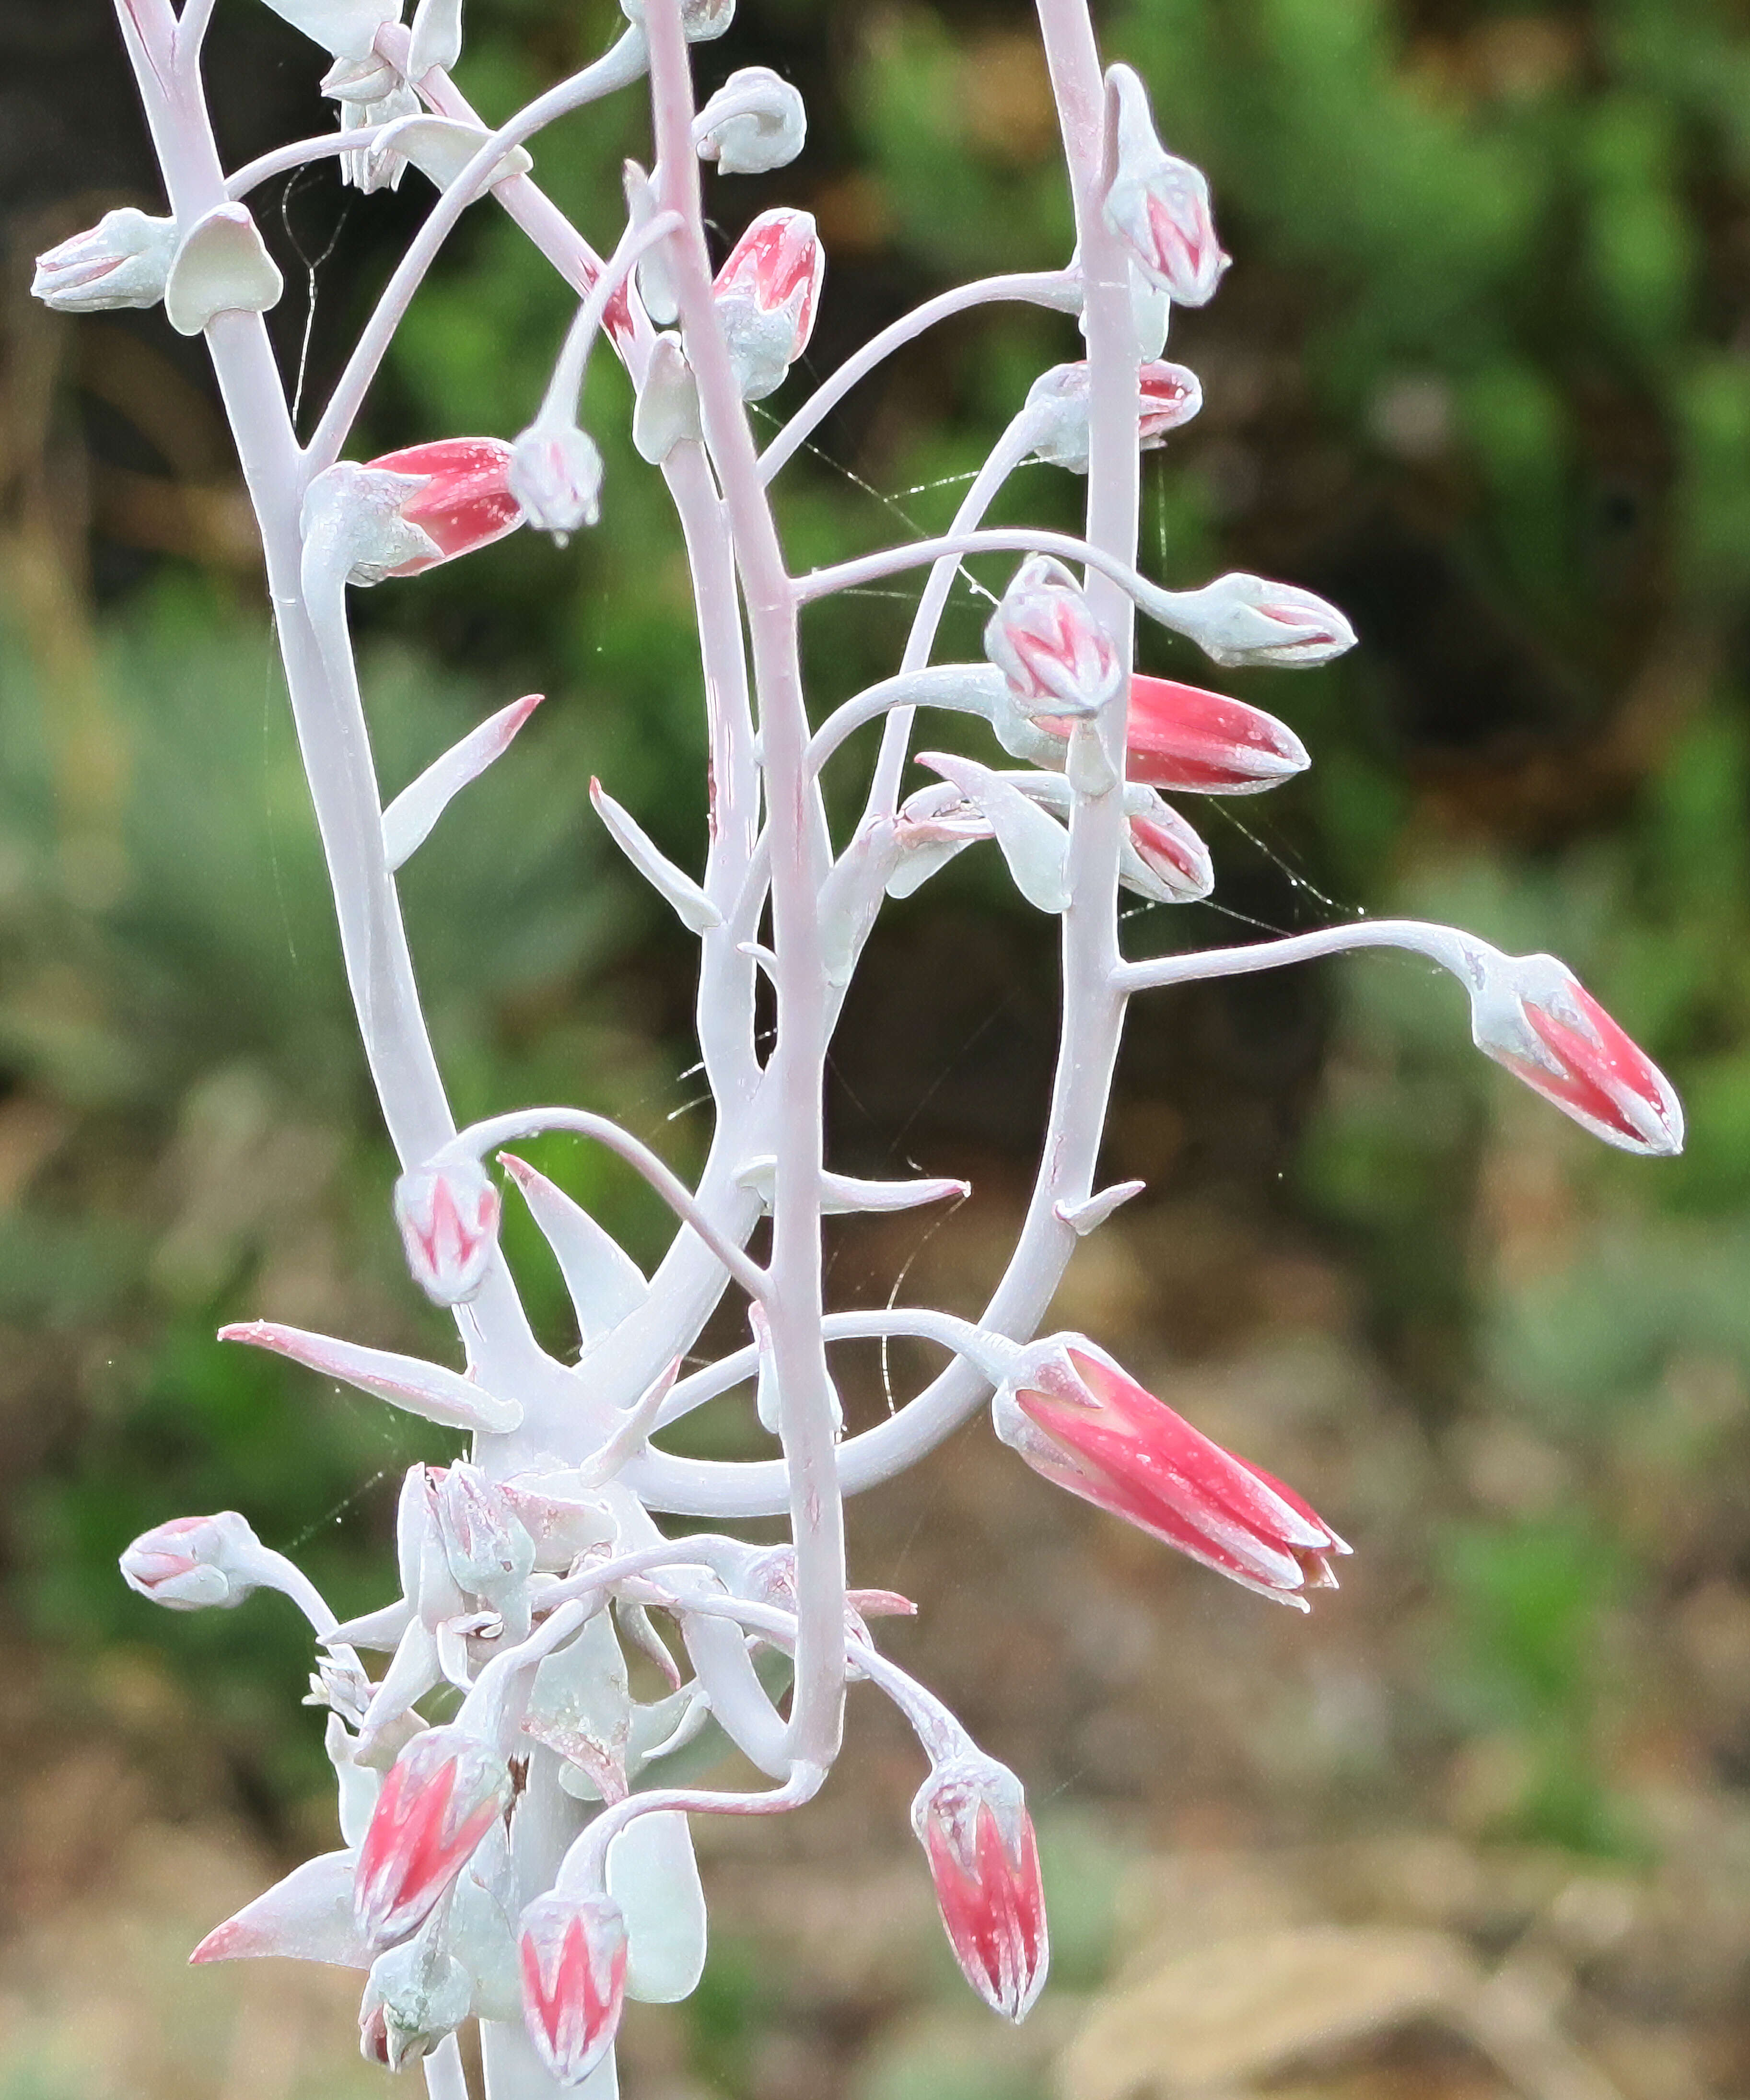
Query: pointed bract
972,1819
1532,1014
306,1918
439,1800
409,819
604,1283
573,1952
346,27
1035,845
1081,1422
448,1217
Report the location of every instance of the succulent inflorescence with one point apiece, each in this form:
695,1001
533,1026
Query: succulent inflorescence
519,1862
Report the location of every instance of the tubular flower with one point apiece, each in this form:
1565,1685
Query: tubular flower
1171,395
766,294
971,1818
448,1217
1078,1420
1160,204
1532,1014
572,1953
1200,743
1164,859
465,500
441,1796
1052,650
193,1563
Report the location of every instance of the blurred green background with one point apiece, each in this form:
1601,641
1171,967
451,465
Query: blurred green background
1481,373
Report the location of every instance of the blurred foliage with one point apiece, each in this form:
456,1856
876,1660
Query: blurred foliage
1481,372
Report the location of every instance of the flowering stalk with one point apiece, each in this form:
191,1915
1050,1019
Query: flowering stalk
505,1865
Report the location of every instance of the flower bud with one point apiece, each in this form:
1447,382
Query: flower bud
1163,859
463,500
556,476
572,1952
1532,1014
1160,204
972,1819
416,1996
448,1217
703,21
439,1799
1241,619
1043,637
1079,1421
755,122
195,1562
766,293
122,260
1171,395
1181,737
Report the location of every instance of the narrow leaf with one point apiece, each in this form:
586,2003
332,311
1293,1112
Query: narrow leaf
409,819
425,1389
841,1193
1083,1218
308,1915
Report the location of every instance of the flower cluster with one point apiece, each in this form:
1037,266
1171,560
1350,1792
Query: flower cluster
509,1854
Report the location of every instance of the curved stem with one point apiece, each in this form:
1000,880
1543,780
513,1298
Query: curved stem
618,69
300,154
560,402
585,1868
1445,945
970,689
1039,288
993,540
480,1138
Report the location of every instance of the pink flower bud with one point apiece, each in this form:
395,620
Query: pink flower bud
193,1563
572,1951
1164,859
1043,637
766,294
1200,743
556,476
972,1819
1078,1420
1171,395
1533,1015
465,500
122,260
441,1796
448,1217
1160,204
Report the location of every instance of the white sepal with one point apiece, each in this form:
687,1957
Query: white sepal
606,1285
694,909
653,1875
424,1389
666,410
1036,846
437,38
352,524
221,267
346,27
409,819
655,288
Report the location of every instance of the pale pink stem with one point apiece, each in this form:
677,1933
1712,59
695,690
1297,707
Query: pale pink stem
300,154
560,401
1452,950
807,1405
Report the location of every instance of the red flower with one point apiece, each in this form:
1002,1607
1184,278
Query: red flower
442,1796
972,1823
1078,1420
1181,737
572,1953
1532,1014
466,501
